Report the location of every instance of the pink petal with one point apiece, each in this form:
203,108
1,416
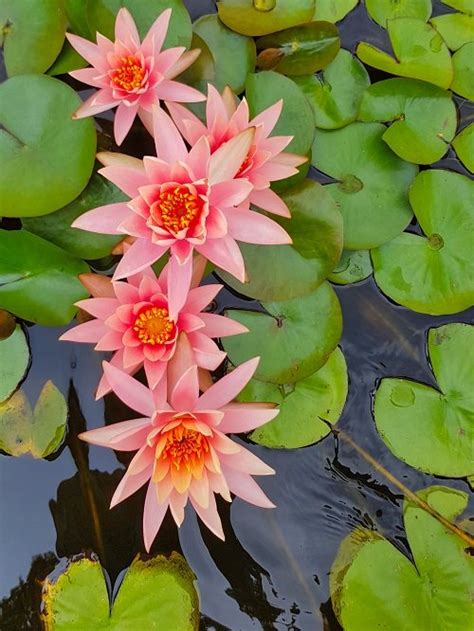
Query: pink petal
158,171
104,219
227,160
231,193
206,352
199,490
101,101
180,114
216,223
88,50
210,516
224,253
123,436
227,388
220,326
97,285
187,59
290,159
123,121
132,357
246,462
141,254
126,292
185,393
87,333
130,391
155,37
275,145
168,58
198,158
179,282
181,361
129,484
270,201
128,178
200,297
153,515
154,372
242,418
169,144
273,171
245,487
252,227
143,459
89,76
104,388
182,250
169,90
111,341
216,112
189,322
99,307
125,27
268,118
177,504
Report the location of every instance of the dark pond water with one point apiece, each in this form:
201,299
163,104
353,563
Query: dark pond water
272,571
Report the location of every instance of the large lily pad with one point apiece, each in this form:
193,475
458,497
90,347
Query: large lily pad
419,53
155,594
423,117
31,34
335,95
456,29
464,146
251,17
76,14
333,10
306,407
375,586
372,183
432,429
47,158
14,361
353,266
281,272
383,10
463,82
38,280
200,73
39,432
294,338
432,273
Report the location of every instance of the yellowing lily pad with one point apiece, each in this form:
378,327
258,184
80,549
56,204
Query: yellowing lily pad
463,82
432,273
432,429
456,29
372,183
464,146
333,10
419,53
14,361
461,5
353,266
383,10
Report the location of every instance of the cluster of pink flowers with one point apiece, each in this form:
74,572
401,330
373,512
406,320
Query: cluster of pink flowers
190,203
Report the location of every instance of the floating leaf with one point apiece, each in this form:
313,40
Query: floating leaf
372,183
432,273
456,29
375,586
333,10
294,338
354,266
299,50
383,10
423,117
461,5
464,146
463,82
306,407
419,53
156,593
432,429
243,17
281,272
38,281
47,158
38,432
335,95
14,361
76,14
31,34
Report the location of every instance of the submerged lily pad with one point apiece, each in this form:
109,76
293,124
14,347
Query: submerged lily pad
464,146
463,82
14,361
372,183
383,10
423,117
155,594
456,29
336,94
432,429
354,266
419,53
47,158
375,586
294,338
432,273
333,10
306,407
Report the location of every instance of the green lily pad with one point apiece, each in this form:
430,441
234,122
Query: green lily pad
419,53
14,361
354,266
39,432
199,74
56,227
294,338
76,14
304,406
243,17
383,10
456,29
299,50
423,117
336,94
372,183
281,272
432,429
461,5
31,34
234,54
464,146
463,82
38,280
375,586
101,17
432,273
333,10
47,158
155,594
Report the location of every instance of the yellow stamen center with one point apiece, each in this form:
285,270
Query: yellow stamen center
129,75
153,326
185,447
178,208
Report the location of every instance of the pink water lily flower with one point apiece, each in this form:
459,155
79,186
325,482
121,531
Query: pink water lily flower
183,451
143,320
131,74
265,162
183,201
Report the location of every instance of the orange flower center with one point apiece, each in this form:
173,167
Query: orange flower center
185,447
153,326
129,75
178,208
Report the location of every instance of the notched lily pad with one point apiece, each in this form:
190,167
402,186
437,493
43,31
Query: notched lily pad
383,10
333,10
353,266
464,146
463,81
14,360
456,29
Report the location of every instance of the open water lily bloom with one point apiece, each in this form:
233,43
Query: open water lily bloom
183,201
130,74
183,451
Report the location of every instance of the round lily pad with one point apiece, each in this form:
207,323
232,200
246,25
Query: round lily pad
372,183
423,117
293,338
456,29
383,10
335,95
14,361
419,53
46,156
354,266
251,17
76,14
281,272
306,407
431,429
463,82
464,146
432,273
331,11
31,34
